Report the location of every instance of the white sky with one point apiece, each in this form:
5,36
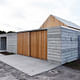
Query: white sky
18,15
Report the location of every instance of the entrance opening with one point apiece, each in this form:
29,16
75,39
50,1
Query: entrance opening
3,43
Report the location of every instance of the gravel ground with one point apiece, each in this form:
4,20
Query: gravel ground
61,73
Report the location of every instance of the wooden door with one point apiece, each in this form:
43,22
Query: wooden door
23,43
39,44
32,44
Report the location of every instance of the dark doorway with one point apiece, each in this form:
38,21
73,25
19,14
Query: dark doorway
3,43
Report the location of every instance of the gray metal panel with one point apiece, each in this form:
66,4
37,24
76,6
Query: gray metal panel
69,45
12,42
0,43
63,44
79,46
54,44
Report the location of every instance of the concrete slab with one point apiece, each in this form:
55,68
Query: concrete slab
1,55
2,50
29,65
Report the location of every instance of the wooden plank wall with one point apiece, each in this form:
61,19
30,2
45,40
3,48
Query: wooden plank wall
52,22
33,44
39,44
23,43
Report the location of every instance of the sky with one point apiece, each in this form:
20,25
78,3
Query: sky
19,15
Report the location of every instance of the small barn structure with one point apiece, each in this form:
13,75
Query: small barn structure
52,44
56,40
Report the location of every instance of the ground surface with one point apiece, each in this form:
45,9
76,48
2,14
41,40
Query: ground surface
29,65
61,73
74,64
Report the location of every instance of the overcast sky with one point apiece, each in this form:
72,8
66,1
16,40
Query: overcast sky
18,15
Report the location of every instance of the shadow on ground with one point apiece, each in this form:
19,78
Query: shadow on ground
74,65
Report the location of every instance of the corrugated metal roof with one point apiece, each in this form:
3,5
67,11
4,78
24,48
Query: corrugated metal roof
68,23
71,28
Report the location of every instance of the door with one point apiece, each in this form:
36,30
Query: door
39,44
23,43
3,43
33,44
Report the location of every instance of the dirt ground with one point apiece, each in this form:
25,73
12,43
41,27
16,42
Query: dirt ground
60,73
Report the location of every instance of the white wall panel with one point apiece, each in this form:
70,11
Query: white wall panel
12,42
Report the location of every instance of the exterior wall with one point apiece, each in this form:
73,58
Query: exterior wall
33,44
69,43
52,22
78,33
54,44
63,44
12,42
0,43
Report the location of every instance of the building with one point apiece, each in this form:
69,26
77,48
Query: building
56,40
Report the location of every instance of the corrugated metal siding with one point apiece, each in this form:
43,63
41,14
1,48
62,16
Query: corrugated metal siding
0,43
69,45
79,46
54,44
12,42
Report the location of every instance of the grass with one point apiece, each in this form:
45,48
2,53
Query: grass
74,64
6,53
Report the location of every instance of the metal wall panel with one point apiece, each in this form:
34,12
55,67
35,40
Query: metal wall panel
69,45
54,44
79,46
12,42
0,43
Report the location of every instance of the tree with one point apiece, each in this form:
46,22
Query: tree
2,32
11,32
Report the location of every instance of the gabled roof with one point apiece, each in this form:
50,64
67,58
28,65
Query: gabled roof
53,21
68,23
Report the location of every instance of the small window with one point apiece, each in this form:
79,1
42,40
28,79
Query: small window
70,38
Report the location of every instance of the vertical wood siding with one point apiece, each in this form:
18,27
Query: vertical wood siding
52,22
33,44
19,43
23,45
39,44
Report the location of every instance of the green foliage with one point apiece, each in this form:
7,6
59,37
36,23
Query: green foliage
11,32
2,32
